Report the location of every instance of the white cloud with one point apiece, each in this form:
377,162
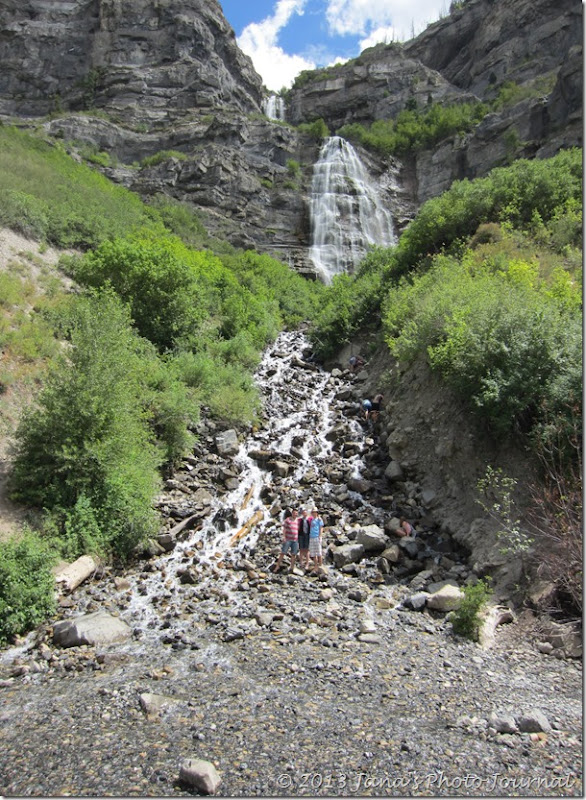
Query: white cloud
259,41
367,17
385,34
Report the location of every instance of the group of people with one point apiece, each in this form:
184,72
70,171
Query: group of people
302,539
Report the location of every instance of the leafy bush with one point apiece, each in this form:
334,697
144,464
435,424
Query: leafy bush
413,130
494,333
89,436
27,585
317,129
508,194
170,288
465,619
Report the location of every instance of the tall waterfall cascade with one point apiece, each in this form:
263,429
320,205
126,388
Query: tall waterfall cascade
347,212
274,107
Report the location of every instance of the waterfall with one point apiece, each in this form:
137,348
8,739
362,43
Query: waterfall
274,107
347,214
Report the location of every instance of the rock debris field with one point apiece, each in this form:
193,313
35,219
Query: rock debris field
345,682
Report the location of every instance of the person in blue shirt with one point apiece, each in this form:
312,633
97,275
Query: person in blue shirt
315,547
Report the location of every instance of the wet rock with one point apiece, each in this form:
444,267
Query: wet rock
154,704
166,541
98,628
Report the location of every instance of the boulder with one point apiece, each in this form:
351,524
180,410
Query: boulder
448,598
200,774
227,443
392,553
347,554
372,538
98,628
533,721
394,472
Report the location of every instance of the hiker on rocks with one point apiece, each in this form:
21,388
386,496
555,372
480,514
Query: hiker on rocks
375,407
290,543
315,548
355,363
304,523
366,407
405,528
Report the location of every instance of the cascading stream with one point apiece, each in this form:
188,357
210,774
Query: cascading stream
347,212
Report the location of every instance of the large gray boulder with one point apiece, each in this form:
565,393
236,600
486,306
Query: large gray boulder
372,538
227,443
99,628
347,554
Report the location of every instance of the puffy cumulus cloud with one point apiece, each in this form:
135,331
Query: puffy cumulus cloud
385,34
259,41
369,18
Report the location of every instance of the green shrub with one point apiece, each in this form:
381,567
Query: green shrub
493,331
162,155
413,130
169,288
317,129
88,437
466,618
27,585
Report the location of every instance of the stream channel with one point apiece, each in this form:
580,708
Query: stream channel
291,684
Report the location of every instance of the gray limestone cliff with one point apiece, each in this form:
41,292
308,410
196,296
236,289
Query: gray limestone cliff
140,78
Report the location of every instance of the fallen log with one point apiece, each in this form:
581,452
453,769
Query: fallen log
74,574
256,517
246,500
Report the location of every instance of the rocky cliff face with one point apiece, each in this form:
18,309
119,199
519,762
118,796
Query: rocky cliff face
141,60
167,75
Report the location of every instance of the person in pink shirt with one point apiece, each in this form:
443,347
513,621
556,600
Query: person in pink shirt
290,541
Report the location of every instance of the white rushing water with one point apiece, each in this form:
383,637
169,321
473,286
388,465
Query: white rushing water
347,212
274,107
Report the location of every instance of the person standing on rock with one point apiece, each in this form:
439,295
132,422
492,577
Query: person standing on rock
304,523
315,548
290,542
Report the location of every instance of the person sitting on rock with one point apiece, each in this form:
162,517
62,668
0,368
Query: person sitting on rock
405,528
315,548
290,543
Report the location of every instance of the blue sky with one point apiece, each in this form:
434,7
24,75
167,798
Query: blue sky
284,37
